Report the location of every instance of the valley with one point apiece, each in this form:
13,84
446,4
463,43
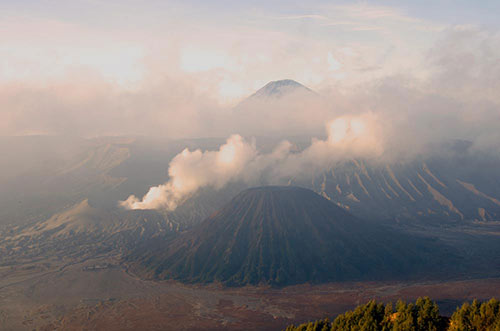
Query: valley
99,290
250,246
249,165
72,298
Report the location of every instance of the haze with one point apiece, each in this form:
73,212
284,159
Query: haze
176,69
314,154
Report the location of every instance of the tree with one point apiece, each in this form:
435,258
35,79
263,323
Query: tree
419,316
477,316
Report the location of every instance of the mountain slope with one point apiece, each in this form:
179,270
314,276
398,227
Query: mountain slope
281,88
83,231
282,107
432,190
284,235
41,175
455,187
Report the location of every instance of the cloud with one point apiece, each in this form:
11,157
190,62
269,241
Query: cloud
299,17
371,12
90,106
239,161
386,120
367,28
69,80
247,50
333,63
456,98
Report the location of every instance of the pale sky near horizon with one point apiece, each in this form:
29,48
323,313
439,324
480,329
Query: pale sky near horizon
177,68
228,47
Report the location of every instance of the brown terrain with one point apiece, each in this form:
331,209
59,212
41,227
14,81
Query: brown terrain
99,294
74,280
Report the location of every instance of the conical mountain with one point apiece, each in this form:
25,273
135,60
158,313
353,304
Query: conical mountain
280,88
282,108
284,235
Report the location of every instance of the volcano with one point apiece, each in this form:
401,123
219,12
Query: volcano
280,88
286,235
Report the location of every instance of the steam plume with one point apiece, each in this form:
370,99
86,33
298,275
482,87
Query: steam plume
239,160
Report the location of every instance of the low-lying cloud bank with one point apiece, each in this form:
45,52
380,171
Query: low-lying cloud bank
457,96
393,119
239,160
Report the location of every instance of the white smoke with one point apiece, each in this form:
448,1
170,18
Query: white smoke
239,160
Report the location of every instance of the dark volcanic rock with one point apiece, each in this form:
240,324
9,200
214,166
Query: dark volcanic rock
285,235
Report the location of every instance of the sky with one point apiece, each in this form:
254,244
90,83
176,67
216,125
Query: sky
393,79
240,44
64,63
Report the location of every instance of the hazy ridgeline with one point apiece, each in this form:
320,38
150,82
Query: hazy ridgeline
212,164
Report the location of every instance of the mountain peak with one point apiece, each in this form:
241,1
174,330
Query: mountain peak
280,88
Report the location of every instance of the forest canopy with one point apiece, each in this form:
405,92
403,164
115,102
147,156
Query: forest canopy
419,316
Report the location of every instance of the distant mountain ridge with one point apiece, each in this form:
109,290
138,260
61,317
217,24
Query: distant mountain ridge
82,231
282,235
438,189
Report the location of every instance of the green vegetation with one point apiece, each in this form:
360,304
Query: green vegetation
477,316
419,316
